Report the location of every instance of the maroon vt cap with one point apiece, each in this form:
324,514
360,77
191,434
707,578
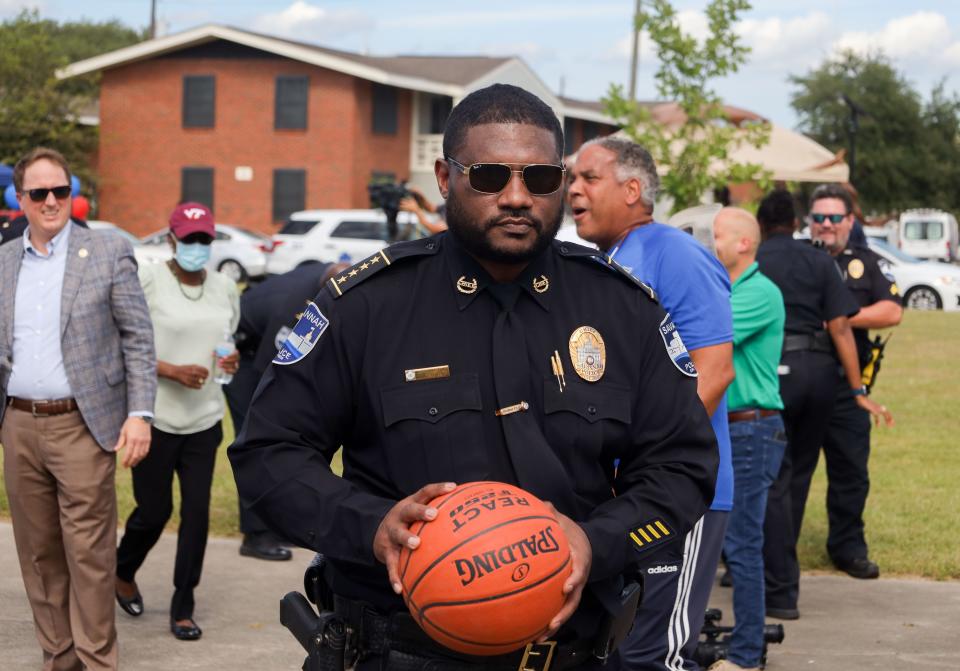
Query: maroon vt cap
190,218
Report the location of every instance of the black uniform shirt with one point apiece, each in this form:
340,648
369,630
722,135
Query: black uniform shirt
860,267
811,284
435,306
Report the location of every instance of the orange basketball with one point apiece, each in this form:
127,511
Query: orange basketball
488,575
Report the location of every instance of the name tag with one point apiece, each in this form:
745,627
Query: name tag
431,373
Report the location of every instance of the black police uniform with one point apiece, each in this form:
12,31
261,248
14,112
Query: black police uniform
846,444
813,293
267,313
489,346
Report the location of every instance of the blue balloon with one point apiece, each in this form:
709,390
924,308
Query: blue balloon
74,186
10,197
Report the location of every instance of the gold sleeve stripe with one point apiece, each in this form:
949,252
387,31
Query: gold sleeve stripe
662,528
385,257
333,283
636,539
644,534
653,531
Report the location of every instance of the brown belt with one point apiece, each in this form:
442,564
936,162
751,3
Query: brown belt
749,415
60,406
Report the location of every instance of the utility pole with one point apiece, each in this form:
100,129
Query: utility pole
635,56
855,113
153,19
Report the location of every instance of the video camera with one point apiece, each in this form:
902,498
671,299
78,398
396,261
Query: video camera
387,196
714,643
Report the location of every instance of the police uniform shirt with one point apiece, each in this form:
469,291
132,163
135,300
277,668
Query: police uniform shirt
860,267
400,372
810,281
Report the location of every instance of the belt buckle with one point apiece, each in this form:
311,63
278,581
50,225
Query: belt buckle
537,656
35,412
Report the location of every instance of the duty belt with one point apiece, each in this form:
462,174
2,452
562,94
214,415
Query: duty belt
398,637
816,342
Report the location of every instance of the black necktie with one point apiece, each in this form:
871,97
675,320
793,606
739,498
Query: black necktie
537,467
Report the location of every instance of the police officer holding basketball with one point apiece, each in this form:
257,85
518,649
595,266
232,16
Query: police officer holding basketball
491,352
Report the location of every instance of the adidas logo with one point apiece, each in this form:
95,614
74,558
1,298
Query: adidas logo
662,569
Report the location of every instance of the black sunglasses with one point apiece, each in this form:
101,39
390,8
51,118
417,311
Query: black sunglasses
834,218
194,238
40,195
540,179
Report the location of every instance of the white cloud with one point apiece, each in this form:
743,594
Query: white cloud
778,44
917,36
303,20
528,14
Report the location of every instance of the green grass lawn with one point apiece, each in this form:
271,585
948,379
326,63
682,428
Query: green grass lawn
915,467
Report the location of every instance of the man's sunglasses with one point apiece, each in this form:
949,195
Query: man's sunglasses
40,195
540,179
834,218
198,237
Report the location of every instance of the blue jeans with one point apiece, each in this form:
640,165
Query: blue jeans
757,448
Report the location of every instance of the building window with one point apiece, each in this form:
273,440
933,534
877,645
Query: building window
196,186
289,192
290,109
569,128
199,97
384,110
590,130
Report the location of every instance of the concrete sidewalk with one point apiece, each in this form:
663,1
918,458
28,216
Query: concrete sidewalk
846,624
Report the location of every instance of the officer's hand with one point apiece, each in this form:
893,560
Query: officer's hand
878,411
190,375
408,205
394,531
581,556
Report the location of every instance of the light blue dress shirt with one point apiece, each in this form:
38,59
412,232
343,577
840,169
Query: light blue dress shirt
38,372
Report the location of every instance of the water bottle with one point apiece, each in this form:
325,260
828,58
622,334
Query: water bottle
224,348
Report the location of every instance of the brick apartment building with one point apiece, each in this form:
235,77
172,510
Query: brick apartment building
258,127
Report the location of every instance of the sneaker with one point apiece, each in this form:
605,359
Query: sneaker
860,567
727,665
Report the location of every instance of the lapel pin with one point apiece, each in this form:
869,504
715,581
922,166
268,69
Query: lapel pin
83,253
465,286
541,284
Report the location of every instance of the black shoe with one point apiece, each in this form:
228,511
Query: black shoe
783,613
190,632
726,580
264,547
132,606
861,568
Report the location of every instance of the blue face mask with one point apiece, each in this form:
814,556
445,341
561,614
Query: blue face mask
192,257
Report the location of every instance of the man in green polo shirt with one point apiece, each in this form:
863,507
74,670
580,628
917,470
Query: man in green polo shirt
757,437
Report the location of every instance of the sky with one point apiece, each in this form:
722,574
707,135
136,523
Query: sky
578,48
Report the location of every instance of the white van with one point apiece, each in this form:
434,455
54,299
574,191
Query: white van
929,234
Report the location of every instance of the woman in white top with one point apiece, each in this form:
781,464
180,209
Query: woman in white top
192,310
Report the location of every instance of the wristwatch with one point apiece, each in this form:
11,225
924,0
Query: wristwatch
860,391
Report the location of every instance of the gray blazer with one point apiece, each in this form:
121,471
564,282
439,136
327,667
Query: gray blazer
106,335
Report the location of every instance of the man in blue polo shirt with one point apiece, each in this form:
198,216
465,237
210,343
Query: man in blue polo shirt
612,192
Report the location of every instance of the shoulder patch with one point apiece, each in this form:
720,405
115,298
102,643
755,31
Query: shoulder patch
573,250
370,266
299,342
676,350
650,534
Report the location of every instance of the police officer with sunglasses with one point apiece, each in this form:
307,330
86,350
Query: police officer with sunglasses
490,352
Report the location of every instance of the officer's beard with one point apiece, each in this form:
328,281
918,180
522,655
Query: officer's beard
475,239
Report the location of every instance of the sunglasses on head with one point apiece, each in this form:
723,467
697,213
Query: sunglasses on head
40,195
833,218
540,179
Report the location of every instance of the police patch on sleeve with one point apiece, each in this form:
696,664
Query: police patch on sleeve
301,340
676,350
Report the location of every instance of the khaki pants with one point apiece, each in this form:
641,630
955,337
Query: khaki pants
63,503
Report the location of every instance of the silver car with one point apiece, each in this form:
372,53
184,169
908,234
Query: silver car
236,252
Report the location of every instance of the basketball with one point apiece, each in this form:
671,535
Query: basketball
488,575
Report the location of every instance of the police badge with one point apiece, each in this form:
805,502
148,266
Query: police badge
676,350
588,353
301,340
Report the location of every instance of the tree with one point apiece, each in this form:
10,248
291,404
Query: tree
38,109
907,151
695,154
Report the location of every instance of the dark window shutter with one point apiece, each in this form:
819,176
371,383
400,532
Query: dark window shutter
590,130
440,108
290,110
569,126
384,110
199,101
196,186
289,192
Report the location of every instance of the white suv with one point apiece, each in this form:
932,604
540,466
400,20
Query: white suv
334,235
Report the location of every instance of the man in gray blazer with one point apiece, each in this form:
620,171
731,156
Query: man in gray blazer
77,384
